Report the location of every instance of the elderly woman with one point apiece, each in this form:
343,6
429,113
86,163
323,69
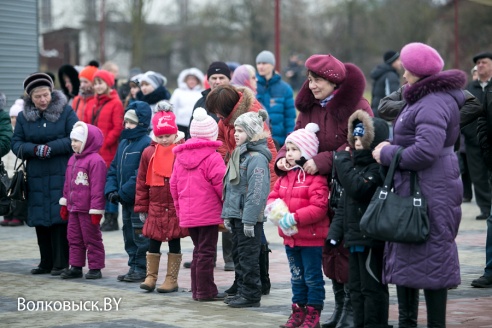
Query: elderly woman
427,128
332,92
42,138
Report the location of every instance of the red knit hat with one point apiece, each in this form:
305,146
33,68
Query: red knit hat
164,122
106,76
88,73
328,67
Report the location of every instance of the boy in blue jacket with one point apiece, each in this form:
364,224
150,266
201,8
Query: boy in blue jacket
121,183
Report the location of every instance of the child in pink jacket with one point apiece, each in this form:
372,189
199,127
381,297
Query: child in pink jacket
83,202
196,187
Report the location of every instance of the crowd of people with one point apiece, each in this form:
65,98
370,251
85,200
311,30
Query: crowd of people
236,141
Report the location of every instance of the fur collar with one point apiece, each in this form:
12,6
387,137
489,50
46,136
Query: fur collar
441,82
344,101
357,117
247,103
51,114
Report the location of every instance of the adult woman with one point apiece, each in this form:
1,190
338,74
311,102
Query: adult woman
42,138
332,92
427,128
69,82
245,76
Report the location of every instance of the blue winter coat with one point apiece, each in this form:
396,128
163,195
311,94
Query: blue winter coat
45,177
122,173
278,99
427,129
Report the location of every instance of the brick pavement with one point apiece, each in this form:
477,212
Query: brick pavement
467,306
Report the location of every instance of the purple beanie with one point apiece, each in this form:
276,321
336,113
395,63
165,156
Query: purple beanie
421,59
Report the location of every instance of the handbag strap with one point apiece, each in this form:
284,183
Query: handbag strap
415,189
22,164
388,181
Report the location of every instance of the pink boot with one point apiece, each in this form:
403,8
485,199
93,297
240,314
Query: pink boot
296,318
312,318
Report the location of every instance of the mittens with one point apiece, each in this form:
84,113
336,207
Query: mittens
64,213
287,221
114,197
42,151
96,218
143,217
249,230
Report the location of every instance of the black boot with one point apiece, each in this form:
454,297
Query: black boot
264,266
408,306
347,316
337,311
435,301
110,222
232,291
72,273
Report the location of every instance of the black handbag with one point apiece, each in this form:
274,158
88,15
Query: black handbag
18,185
393,218
336,188
4,185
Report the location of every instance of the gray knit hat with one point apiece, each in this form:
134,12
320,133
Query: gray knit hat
265,57
252,122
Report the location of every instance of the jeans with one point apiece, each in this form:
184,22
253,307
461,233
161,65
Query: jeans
136,245
308,285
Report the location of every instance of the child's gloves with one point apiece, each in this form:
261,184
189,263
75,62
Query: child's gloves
143,217
42,151
249,230
64,212
227,225
287,221
96,218
113,197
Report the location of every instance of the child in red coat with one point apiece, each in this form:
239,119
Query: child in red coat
306,197
154,201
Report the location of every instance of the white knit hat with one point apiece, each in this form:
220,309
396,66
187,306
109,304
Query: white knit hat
17,107
306,140
80,132
252,122
203,126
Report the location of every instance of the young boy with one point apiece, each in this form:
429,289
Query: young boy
83,202
246,187
121,182
359,174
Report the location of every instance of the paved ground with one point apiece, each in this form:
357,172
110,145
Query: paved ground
128,306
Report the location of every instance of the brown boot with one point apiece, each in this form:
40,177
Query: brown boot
171,283
153,260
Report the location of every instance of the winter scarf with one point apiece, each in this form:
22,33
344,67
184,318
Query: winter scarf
160,165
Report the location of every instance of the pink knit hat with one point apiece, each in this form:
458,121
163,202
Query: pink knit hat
203,125
421,59
306,140
328,67
164,121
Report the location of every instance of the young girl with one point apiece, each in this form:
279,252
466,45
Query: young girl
107,115
306,196
152,89
154,203
83,202
246,186
197,179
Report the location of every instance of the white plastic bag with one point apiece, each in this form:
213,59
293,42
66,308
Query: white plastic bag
275,211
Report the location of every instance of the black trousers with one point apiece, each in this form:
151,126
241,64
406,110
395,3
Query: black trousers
369,296
479,176
53,246
247,251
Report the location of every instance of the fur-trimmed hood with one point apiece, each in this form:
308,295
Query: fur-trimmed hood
375,130
51,114
441,82
194,151
346,96
247,103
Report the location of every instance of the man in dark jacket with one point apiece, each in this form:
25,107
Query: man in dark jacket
386,78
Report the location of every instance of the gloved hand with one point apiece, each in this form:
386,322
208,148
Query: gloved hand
227,225
64,213
96,218
287,221
249,230
42,151
332,242
143,217
113,197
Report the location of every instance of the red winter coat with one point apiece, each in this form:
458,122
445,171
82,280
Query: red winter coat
162,222
307,198
81,104
247,103
107,114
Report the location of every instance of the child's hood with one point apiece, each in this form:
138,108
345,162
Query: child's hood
94,140
143,111
194,72
376,130
194,151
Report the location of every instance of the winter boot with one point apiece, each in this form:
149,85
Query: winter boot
347,316
312,318
296,318
436,307
264,266
110,222
72,273
153,260
232,291
408,306
337,311
170,284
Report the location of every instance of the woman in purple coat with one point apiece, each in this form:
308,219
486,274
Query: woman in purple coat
427,128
